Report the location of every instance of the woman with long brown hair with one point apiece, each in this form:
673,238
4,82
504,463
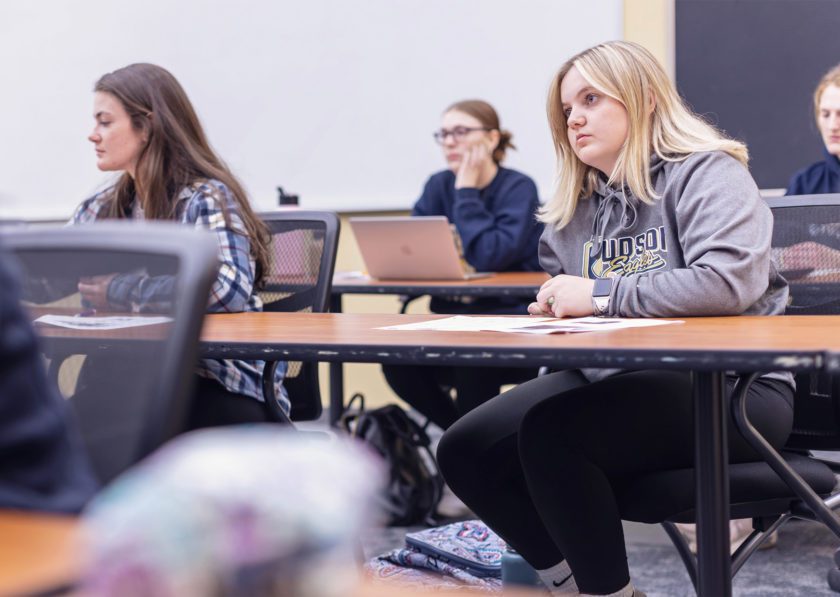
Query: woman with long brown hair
146,128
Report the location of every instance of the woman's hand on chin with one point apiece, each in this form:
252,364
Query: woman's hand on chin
475,160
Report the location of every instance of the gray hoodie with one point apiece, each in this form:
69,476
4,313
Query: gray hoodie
702,248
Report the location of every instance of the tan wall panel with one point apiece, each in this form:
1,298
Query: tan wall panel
364,378
651,24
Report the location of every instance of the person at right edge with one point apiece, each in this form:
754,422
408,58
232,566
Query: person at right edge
824,176
494,211
821,250
655,215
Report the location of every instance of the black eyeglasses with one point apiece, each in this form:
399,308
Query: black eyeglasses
458,133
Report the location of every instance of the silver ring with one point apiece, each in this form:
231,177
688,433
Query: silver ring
550,301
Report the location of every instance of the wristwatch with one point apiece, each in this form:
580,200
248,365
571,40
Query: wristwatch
601,295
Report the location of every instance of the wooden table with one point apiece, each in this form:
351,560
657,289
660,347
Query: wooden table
38,552
708,347
700,343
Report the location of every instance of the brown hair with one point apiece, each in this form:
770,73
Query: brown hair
175,156
487,116
832,77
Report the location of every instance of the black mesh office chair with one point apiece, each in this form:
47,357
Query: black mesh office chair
303,251
792,484
129,387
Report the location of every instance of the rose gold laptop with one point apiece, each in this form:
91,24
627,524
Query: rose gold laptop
410,248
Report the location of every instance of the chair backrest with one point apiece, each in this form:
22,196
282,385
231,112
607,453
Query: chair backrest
129,386
303,251
806,248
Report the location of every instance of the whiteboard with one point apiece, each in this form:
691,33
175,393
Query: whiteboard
335,100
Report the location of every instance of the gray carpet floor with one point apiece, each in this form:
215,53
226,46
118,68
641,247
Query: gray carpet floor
797,565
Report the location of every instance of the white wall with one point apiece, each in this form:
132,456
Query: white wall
335,100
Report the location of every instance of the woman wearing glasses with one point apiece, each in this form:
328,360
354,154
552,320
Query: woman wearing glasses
493,210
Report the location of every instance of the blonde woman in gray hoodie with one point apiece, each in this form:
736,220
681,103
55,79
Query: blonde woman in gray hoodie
655,215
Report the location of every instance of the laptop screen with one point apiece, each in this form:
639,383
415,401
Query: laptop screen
409,248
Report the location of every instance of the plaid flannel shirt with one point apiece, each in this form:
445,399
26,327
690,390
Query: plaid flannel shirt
200,205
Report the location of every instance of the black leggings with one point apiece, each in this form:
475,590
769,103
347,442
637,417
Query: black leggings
541,463
427,389
213,405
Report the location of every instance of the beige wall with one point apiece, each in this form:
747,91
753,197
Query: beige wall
651,23
648,22
365,378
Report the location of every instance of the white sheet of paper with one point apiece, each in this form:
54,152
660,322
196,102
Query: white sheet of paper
528,325
351,276
75,322
465,323
587,324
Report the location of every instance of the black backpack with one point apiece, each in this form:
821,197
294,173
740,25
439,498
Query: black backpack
414,482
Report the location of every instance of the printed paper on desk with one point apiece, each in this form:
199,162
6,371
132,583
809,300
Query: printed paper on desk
587,324
74,322
466,323
528,325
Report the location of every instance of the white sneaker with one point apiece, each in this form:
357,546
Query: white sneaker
739,530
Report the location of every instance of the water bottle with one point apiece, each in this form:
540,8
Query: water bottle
516,572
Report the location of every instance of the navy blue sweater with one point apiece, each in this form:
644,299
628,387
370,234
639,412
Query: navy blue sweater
42,462
822,177
498,228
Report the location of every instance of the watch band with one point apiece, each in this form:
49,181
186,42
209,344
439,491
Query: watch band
601,296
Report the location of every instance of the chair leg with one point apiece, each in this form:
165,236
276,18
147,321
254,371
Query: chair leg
818,507
753,542
405,302
739,558
776,462
834,574
681,545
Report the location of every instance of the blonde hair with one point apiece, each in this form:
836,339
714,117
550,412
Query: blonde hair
630,74
832,77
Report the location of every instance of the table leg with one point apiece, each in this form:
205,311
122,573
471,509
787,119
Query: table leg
712,477
336,375
336,392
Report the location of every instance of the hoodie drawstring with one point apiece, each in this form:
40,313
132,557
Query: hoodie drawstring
604,213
